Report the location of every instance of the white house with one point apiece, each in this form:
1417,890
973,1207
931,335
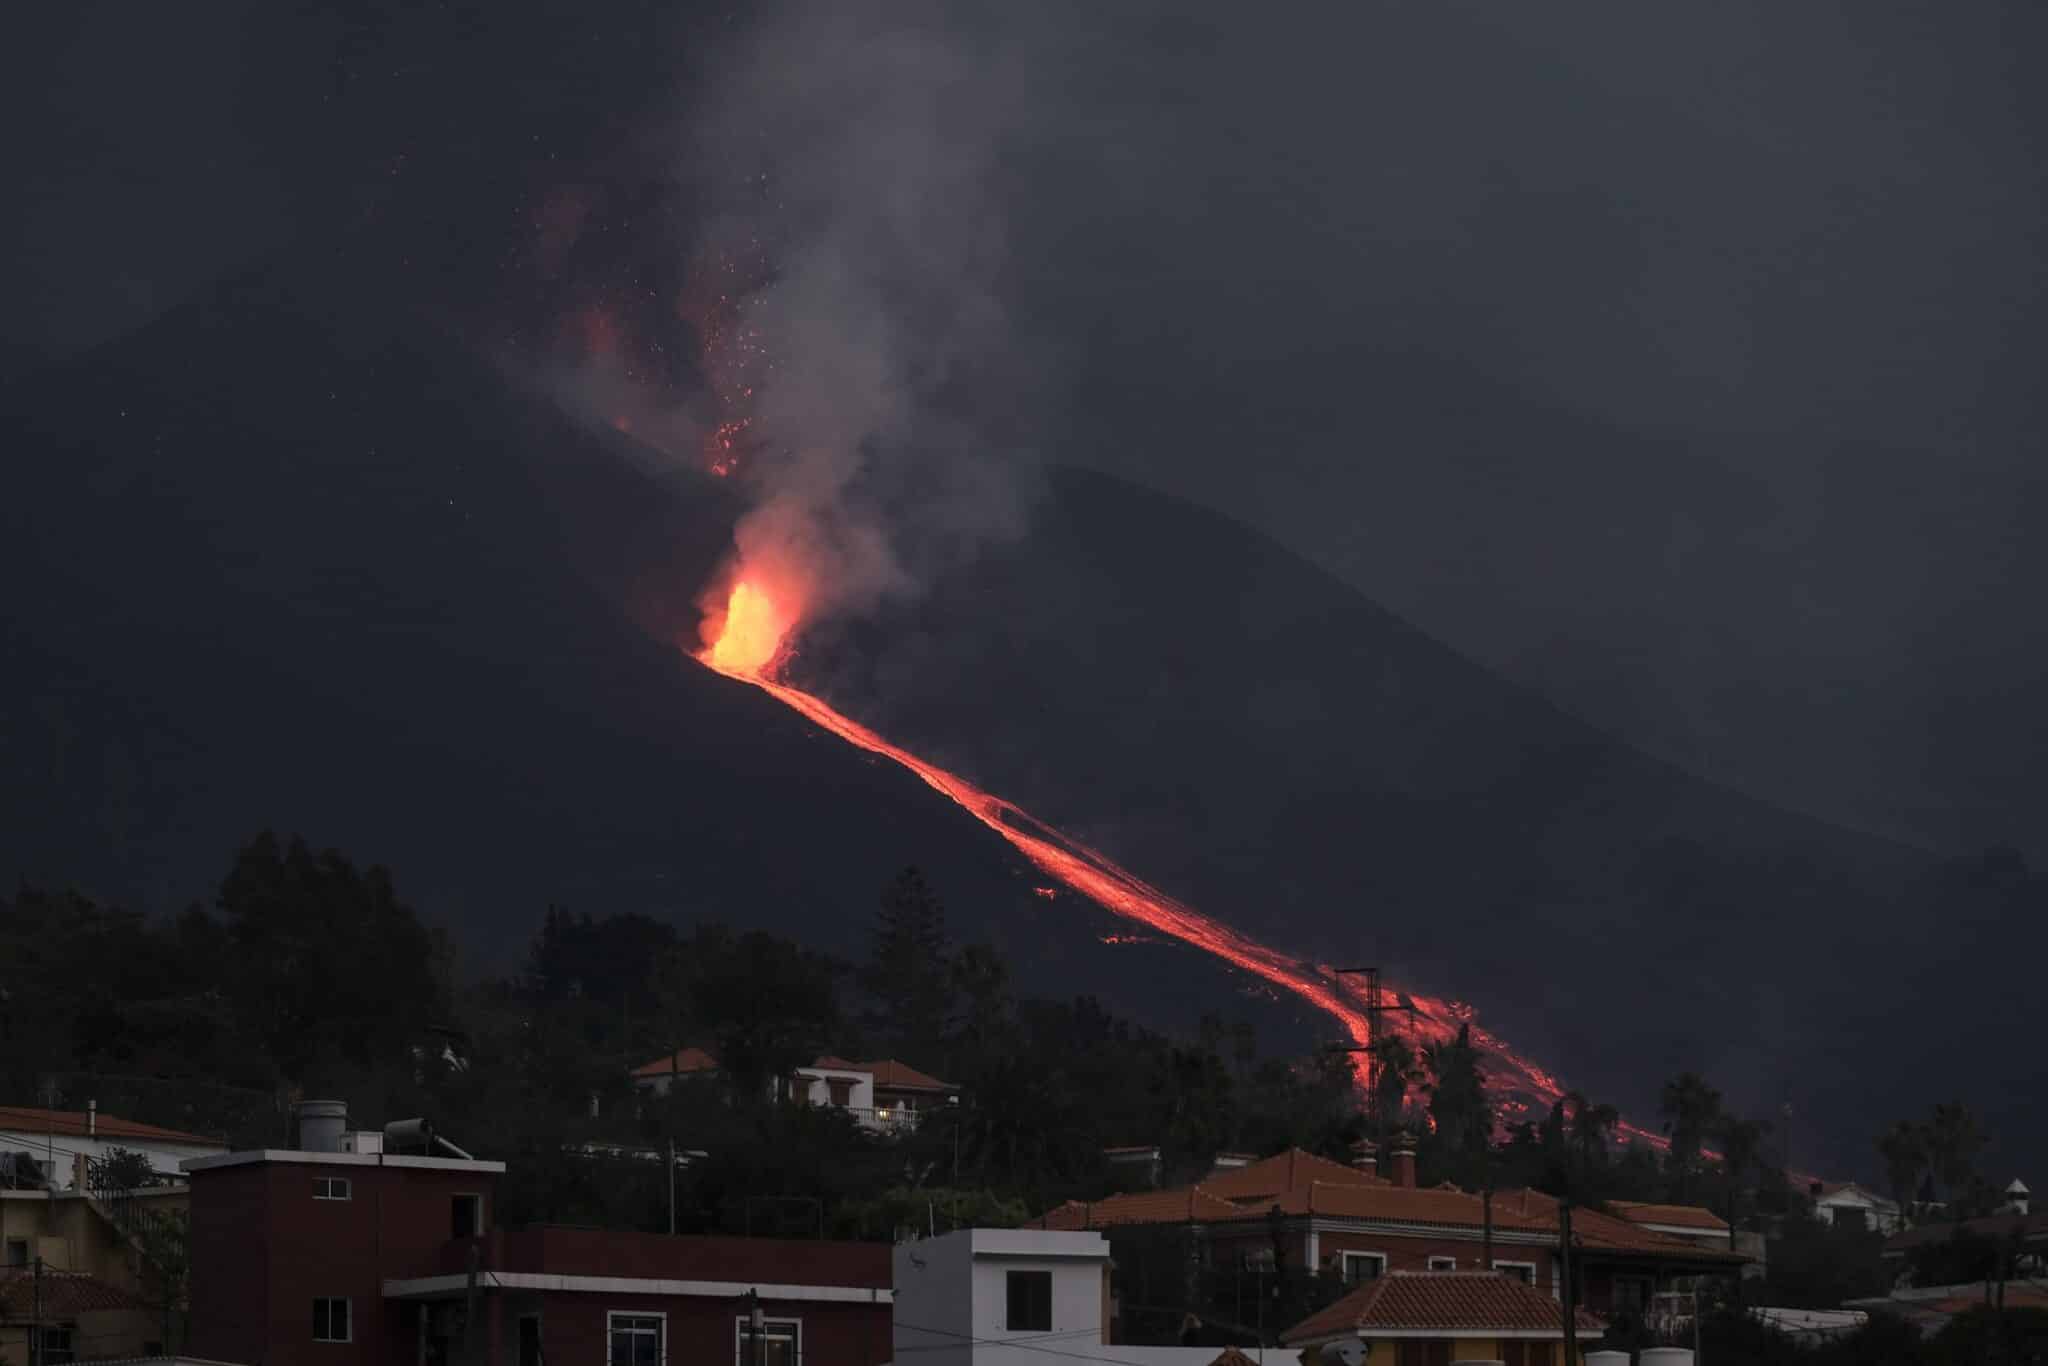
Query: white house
886,1096
1021,1297
61,1142
1848,1205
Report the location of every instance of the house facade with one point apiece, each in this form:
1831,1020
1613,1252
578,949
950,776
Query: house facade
87,1277
1844,1204
56,1147
344,1253
886,1096
1024,1297
1349,1223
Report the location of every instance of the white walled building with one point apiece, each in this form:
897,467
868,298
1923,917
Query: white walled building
1849,1205
61,1142
1021,1297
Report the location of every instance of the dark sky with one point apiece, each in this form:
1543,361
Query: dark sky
1682,362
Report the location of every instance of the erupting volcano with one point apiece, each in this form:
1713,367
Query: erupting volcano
745,641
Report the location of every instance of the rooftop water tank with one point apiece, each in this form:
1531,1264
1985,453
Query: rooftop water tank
321,1124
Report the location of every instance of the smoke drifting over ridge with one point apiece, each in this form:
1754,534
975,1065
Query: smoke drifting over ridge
856,349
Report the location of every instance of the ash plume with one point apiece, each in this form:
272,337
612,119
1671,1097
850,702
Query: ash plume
860,361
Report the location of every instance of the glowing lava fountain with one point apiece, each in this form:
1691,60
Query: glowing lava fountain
745,642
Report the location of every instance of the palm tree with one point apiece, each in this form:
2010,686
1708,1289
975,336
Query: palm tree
1690,1108
1591,1126
1953,1141
1396,1070
1904,1150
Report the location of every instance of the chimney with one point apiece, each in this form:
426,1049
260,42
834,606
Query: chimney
1365,1156
92,1119
1404,1161
321,1123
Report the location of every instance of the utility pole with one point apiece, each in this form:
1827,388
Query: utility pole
671,1188
469,1333
35,1317
1375,1006
1567,1296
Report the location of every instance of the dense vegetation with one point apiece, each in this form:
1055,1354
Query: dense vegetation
307,976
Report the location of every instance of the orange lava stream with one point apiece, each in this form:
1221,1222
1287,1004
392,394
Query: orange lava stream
1094,875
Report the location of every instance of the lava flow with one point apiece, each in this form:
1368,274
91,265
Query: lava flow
744,642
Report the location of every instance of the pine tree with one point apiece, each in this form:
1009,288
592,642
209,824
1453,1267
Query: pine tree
909,974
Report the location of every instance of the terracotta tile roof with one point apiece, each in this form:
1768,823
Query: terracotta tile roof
1399,1205
1677,1216
1599,1232
74,1123
64,1293
830,1063
1231,1356
1452,1303
896,1076
1291,1170
1189,1204
684,1062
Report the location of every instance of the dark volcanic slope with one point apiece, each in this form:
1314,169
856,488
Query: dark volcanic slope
283,560
1255,736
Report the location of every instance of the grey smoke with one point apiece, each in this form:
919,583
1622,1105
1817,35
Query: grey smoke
852,150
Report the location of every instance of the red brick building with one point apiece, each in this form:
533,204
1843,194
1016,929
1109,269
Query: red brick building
352,1255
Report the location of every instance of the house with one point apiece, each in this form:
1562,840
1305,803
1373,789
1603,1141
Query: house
1349,1223
1433,1318
54,1146
658,1076
1930,1308
1846,1205
1698,1226
1023,1297
886,1096
89,1269
346,1252
2022,1237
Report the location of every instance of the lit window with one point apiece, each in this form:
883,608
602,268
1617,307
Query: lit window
1030,1295
779,1343
331,1188
330,1320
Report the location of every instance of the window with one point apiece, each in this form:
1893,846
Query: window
529,1340
1852,1217
1525,1272
1443,1263
1631,1294
330,1188
780,1343
636,1339
841,1089
1030,1302
466,1216
57,1346
1364,1266
17,1252
330,1320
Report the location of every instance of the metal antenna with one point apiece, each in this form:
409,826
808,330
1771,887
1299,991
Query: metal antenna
1375,1006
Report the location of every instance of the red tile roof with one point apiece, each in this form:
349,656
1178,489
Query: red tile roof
74,1124
830,1063
896,1076
1288,1171
1676,1216
1189,1204
64,1293
1450,1303
1600,1232
683,1062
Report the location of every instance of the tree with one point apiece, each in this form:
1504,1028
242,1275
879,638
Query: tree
1953,1142
1691,1108
1461,1114
1742,1150
1591,1126
769,1005
1904,1150
908,973
1396,1070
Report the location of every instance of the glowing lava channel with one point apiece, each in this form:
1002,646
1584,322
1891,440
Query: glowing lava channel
745,644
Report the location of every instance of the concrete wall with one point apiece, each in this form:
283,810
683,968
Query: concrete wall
59,1153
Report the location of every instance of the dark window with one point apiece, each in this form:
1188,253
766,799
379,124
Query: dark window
1030,1302
1364,1266
1520,1271
1851,1217
1631,1294
17,1252
529,1340
331,1188
636,1339
466,1218
330,1320
1443,1263
841,1089
57,1346
1437,1353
